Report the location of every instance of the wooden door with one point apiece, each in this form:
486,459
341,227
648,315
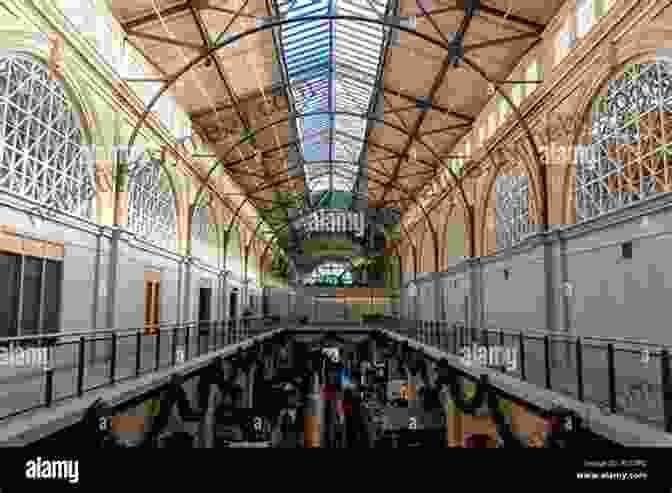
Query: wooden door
152,302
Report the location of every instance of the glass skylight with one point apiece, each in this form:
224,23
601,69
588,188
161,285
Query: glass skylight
332,67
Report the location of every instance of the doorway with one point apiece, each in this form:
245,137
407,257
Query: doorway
152,302
233,304
204,320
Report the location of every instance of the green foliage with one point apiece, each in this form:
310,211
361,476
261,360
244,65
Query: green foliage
632,72
372,317
392,232
247,136
664,151
600,104
632,119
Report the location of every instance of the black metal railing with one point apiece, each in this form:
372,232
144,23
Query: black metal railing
412,340
40,370
621,376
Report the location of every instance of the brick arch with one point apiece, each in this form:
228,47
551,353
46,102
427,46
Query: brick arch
631,52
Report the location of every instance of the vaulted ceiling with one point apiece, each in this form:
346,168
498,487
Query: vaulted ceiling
340,70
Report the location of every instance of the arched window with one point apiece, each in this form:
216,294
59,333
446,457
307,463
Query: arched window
512,210
43,153
199,226
204,235
151,204
626,150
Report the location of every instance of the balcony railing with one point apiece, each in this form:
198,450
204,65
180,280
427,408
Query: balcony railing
620,376
38,371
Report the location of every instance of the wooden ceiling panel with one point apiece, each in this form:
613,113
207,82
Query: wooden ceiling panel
251,7
435,121
247,69
532,10
409,117
179,29
249,73
386,166
423,76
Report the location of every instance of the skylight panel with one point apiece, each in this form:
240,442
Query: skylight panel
337,62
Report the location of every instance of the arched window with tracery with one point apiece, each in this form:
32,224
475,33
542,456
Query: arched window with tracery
512,209
151,204
625,152
204,235
44,155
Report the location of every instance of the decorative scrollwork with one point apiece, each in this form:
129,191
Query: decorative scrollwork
625,156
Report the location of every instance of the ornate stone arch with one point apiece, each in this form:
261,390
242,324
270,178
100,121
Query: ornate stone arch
204,232
45,150
152,202
515,186
628,177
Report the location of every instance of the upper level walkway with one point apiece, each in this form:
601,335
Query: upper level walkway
117,375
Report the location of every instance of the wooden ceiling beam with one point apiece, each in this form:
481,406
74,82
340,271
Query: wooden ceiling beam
152,37
495,42
152,17
202,29
515,19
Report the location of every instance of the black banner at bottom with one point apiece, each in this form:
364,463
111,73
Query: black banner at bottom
30,470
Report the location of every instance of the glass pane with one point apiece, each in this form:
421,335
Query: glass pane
584,17
9,295
32,278
45,158
52,296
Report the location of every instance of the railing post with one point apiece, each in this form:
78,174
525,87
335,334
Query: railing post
138,352
547,360
666,382
521,346
612,377
80,366
186,343
579,369
501,338
49,387
173,350
113,359
158,349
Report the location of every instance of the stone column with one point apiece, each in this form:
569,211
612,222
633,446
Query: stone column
187,289
476,308
438,298
113,273
555,269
